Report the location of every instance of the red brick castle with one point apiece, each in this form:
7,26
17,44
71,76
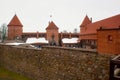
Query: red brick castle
15,31
104,33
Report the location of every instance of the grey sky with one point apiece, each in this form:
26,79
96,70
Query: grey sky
67,14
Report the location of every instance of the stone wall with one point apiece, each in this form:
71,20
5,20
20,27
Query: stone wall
54,63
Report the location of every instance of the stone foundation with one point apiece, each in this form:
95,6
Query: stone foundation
55,63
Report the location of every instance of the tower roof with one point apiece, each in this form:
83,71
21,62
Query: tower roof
86,21
15,21
108,23
52,25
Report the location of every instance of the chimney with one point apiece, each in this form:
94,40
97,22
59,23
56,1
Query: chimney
37,34
49,22
91,19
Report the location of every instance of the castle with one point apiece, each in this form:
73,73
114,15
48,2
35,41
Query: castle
15,31
104,33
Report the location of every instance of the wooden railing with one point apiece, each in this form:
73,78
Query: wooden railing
115,68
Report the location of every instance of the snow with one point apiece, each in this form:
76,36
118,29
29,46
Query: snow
43,40
71,40
13,43
36,40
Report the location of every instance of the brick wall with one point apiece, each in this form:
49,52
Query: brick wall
14,31
53,32
108,41
88,36
54,63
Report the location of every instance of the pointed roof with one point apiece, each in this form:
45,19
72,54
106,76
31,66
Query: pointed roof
52,25
86,21
108,23
15,21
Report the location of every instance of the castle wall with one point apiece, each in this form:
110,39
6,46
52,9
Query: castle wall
108,41
55,63
50,33
14,32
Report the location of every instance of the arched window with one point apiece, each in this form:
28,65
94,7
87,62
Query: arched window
110,38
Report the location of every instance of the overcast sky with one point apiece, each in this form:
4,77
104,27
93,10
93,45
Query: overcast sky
66,14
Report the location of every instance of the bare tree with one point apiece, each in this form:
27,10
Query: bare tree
75,30
3,32
65,31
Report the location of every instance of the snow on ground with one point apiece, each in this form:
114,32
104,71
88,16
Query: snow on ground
13,43
69,40
43,40
36,40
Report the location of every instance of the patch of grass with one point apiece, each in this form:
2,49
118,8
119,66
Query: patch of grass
9,75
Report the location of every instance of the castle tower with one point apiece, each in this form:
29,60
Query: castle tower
15,29
85,22
52,33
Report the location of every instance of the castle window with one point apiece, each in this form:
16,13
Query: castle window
110,38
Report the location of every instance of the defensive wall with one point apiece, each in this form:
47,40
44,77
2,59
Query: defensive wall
55,63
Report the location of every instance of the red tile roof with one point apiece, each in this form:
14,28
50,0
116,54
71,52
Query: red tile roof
85,21
15,21
111,22
52,25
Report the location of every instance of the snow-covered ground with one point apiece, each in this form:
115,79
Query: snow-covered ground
36,40
71,40
43,40
13,43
